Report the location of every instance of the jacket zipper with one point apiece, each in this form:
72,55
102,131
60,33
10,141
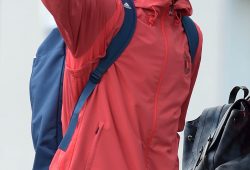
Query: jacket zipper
154,121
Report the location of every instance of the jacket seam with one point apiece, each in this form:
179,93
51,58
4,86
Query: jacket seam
154,123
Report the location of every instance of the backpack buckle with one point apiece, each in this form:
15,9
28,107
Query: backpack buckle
95,77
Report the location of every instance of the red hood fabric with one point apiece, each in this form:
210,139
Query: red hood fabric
182,6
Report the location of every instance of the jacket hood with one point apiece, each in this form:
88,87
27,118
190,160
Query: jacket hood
182,7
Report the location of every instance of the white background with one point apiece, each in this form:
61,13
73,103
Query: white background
23,25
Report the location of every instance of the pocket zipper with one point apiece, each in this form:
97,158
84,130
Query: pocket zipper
187,67
91,156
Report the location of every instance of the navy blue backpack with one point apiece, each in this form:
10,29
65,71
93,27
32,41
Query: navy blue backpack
47,80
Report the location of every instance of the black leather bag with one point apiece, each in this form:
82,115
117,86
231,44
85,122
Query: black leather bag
220,138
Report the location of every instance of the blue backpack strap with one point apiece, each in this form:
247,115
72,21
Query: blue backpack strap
116,47
192,35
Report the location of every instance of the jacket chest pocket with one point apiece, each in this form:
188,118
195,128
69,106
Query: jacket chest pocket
180,65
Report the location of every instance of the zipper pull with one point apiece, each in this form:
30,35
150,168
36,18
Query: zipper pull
171,8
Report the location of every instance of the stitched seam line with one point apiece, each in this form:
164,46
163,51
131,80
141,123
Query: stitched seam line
153,131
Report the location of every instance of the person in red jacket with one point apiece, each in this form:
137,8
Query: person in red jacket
131,120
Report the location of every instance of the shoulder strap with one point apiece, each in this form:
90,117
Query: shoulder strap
116,47
192,35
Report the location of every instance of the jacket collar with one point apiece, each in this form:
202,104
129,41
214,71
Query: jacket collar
183,7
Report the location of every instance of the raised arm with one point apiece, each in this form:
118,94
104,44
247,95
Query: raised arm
86,24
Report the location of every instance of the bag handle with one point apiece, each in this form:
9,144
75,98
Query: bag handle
235,91
248,98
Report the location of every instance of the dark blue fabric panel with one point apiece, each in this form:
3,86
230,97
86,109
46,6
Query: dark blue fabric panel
192,35
45,98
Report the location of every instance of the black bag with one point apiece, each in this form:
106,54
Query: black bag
220,138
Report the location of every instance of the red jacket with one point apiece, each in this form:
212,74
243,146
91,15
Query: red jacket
131,120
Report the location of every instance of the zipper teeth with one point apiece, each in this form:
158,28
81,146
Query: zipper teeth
149,141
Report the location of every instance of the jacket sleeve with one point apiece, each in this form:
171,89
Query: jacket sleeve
86,24
194,73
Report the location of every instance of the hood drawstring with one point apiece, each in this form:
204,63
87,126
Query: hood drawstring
153,16
177,17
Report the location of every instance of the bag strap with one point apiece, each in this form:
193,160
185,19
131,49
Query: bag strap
192,35
116,47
